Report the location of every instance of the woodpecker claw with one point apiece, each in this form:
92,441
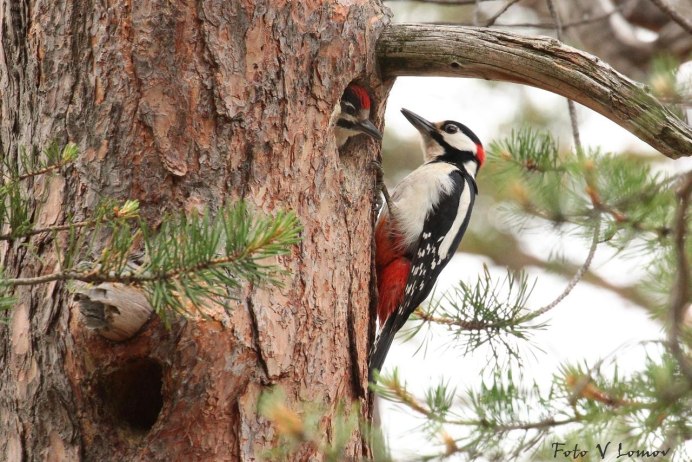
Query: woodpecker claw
377,165
387,198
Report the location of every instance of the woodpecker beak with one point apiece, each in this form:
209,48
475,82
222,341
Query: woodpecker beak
368,128
422,125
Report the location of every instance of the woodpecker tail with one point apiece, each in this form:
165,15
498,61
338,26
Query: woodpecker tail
379,352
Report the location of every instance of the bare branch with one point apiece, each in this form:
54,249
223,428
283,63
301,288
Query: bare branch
568,25
681,291
517,259
96,277
541,424
50,229
570,104
42,171
532,25
391,389
477,14
579,274
674,15
456,51
502,11
458,323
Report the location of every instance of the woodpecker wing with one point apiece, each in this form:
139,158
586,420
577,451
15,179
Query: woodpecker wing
443,229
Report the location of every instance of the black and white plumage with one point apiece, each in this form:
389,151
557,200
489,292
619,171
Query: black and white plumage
431,209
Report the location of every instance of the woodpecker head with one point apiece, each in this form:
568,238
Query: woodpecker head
354,115
450,140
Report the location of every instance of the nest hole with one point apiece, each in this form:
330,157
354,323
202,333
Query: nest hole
132,394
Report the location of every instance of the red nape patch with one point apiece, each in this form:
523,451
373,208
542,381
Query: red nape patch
480,154
362,95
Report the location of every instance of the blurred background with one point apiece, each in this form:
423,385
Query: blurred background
609,313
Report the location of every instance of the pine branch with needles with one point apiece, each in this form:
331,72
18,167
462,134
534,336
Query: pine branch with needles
185,262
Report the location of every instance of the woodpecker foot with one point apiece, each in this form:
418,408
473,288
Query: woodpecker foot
377,165
387,197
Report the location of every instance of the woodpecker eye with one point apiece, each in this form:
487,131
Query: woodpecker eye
450,128
348,108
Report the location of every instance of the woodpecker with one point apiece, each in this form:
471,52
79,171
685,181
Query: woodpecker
354,115
419,232
352,119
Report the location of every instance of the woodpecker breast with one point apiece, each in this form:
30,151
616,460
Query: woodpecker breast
414,198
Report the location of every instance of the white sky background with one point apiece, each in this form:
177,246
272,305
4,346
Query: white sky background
590,324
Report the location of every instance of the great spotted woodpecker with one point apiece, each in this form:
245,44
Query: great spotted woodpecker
418,234
354,115
353,119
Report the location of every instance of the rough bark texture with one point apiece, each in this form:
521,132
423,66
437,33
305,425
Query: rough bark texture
183,105
418,49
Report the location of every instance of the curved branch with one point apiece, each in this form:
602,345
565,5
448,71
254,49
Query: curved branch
456,51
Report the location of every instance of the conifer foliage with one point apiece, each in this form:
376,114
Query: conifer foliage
188,259
607,200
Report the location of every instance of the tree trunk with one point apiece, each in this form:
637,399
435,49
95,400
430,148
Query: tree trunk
183,105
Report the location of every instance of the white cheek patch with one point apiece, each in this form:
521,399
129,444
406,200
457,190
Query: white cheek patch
459,141
342,133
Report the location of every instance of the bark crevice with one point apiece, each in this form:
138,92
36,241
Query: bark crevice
256,338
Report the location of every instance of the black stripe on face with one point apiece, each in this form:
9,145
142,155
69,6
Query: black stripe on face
449,149
344,123
352,99
464,129
453,155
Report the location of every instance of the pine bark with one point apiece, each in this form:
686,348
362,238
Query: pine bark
184,105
